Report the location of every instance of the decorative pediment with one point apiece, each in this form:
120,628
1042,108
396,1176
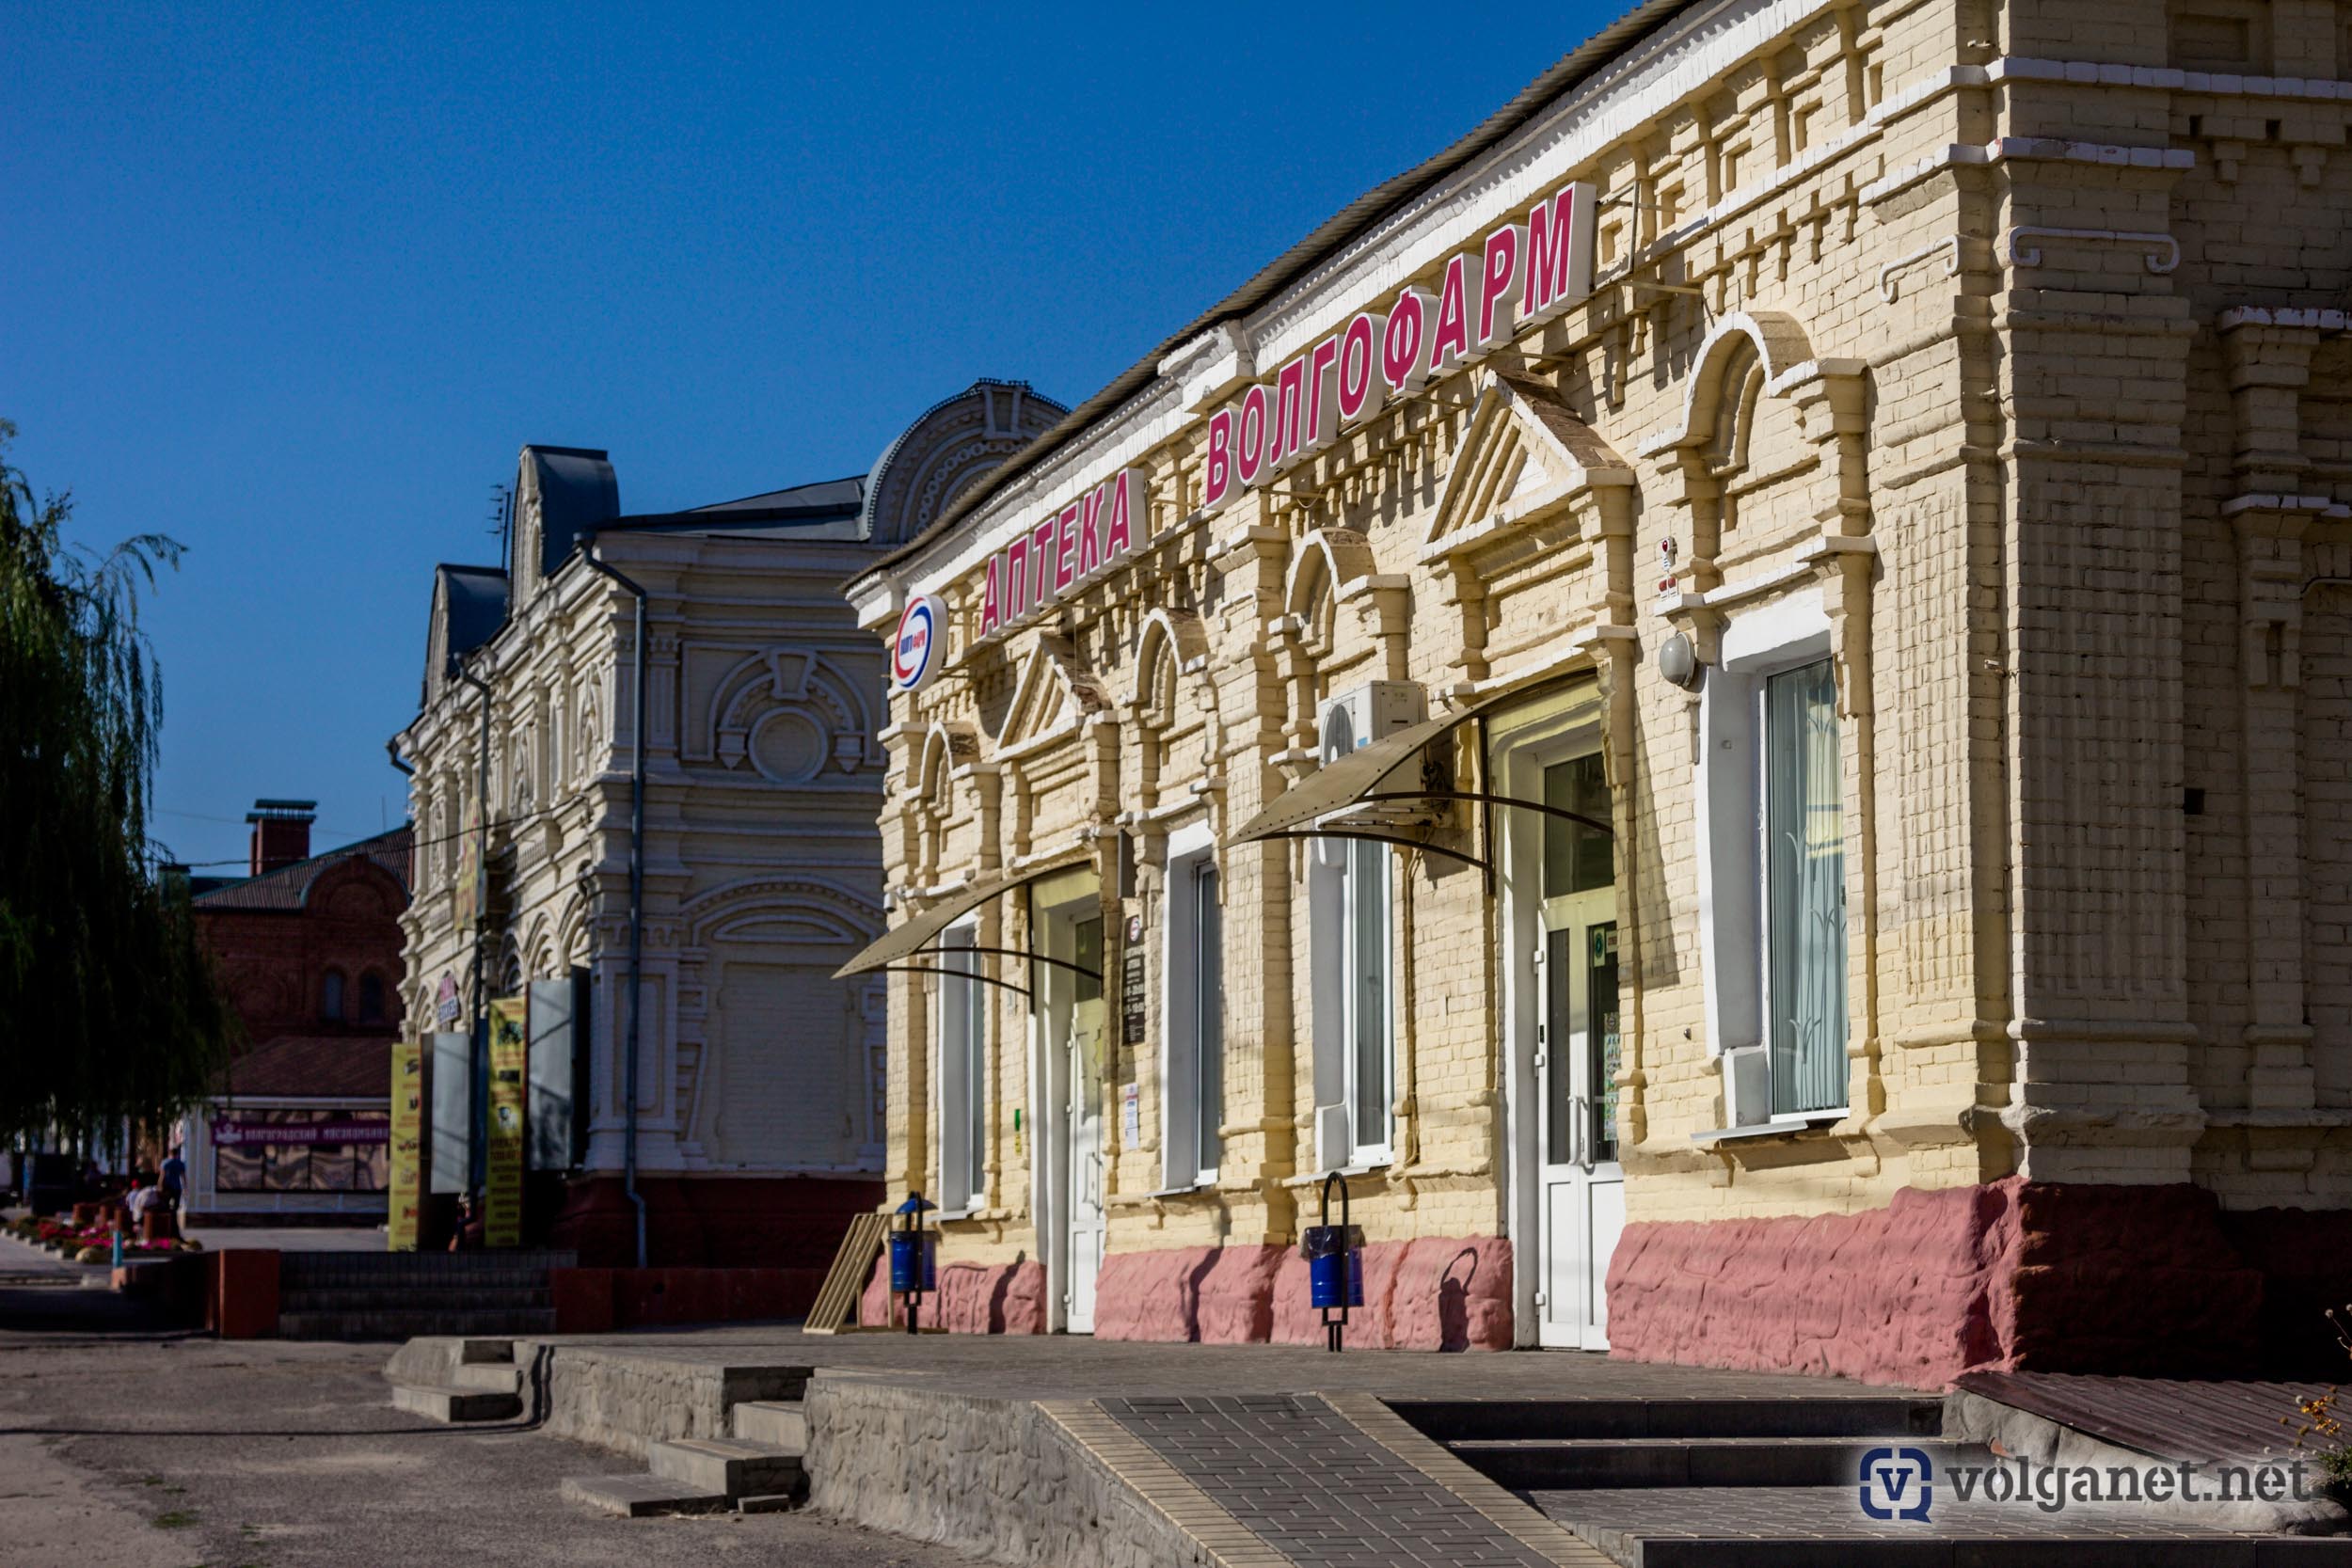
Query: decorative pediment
788,714
1056,691
1525,458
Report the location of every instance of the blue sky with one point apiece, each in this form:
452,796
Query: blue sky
293,283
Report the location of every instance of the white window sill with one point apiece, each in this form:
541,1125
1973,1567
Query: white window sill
1316,1178
1779,1127
1207,1183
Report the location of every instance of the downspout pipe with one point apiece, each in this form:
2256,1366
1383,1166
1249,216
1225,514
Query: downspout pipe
478,1043
636,882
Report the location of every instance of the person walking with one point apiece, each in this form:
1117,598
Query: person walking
173,1178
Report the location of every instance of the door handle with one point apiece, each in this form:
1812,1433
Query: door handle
1580,1112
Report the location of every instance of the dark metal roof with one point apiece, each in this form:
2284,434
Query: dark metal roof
475,601
288,888
316,1067
578,493
1356,218
824,511
828,494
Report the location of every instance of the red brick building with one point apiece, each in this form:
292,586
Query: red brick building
309,947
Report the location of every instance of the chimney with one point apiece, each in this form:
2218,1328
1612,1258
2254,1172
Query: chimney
282,833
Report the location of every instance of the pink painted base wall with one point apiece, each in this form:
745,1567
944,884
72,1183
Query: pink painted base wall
2009,1275
1430,1294
973,1298
1437,1294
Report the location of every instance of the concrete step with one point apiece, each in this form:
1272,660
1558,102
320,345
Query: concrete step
774,1502
503,1378
778,1424
413,1322
635,1496
1861,1415
419,1268
1548,1463
719,1465
457,1403
468,1298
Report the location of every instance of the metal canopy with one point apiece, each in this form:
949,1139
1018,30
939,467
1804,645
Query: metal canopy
1339,785
1354,778
904,939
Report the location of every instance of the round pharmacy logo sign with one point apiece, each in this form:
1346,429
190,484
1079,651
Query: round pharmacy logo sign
921,646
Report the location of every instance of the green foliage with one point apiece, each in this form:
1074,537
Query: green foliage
108,1004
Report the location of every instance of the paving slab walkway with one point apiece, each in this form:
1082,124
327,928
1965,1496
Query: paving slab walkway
1272,1455
1040,1366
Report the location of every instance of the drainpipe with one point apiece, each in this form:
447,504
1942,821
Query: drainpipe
636,883
391,749
478,1043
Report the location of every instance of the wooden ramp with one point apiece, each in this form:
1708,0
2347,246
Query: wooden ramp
835,1309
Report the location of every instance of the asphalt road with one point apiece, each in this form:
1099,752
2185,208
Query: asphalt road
121,1446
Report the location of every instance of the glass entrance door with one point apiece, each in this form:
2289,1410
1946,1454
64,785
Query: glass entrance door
1089,1226
1582,1203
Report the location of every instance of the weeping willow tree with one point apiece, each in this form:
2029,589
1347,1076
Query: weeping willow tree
108,1006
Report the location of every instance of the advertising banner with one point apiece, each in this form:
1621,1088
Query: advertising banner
510,1062
228,1133
405,1203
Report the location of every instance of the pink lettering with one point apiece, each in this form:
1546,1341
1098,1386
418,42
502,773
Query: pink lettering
1283,441
1362,390
1449,342
991,611
1499,285
1217,463
1249,437
1089,529
1066,548
1119,534
1040,542
1400,360
1017,579
1322,395
1559,252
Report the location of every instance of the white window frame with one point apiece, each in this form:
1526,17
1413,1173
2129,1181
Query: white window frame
1735,955
1334,918
1190,850
960,1071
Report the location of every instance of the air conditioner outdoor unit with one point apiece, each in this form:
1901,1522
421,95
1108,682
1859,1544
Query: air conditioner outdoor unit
1364,714
1354,720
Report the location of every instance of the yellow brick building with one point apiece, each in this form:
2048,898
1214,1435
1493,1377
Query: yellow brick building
1730,696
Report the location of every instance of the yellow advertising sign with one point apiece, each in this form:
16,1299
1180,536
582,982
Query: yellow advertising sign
510,1062
406,1201
468,904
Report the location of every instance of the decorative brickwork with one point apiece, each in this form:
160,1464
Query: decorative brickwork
1994,356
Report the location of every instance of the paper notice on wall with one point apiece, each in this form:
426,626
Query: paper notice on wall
1129,1116
405,1203
510,1061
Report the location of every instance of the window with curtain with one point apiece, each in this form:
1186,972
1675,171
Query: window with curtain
1208,1008
1350,905
1194,1070
371,998
962,1074
1804,874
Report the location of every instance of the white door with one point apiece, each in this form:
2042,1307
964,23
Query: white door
1089,1229
1581,1183
1584,1184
